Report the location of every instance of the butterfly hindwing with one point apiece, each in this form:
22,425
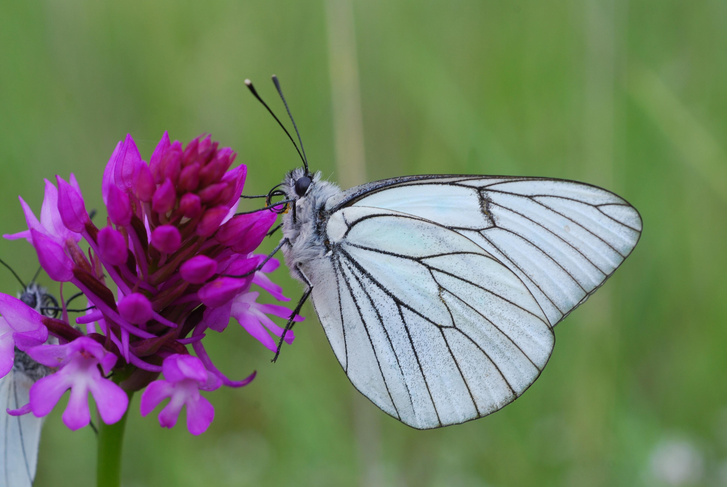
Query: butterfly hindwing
19,435
428,325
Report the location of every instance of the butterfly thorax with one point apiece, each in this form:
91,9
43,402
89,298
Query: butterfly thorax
304,223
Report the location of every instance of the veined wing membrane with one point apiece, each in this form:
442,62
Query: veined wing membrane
437,331
561,238
19,435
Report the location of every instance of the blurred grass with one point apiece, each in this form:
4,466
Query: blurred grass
626,95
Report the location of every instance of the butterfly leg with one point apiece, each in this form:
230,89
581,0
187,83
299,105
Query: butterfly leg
274,230
296,310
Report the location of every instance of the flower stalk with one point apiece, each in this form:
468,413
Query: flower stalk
110,440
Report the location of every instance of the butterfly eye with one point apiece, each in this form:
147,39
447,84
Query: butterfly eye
302,185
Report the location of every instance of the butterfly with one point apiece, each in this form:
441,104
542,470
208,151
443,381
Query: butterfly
20,435
439,293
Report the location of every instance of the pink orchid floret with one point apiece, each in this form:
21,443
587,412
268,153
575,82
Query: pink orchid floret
184,377
254,318
172,261
81,363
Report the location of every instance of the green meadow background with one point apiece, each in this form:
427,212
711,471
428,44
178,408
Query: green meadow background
625,95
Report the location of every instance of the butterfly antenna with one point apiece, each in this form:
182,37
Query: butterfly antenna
250,86
14,273
285,104
35,276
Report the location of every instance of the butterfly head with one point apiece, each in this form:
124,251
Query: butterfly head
307,194
37,297
298,182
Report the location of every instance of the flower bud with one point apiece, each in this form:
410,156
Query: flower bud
166,238
135,308
212,192
198,269
220,291
71,207
189,178
164,197
211,221
190,205
144,183
112,246
51,256
155,162
118,205
245,232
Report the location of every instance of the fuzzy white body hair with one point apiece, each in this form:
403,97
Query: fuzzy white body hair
306,232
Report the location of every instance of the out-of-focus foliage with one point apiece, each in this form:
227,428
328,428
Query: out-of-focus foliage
625,95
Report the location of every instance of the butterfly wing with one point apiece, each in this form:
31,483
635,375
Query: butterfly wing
19,435
563,239
439,293
428,325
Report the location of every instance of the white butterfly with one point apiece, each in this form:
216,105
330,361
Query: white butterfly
20,435
439,293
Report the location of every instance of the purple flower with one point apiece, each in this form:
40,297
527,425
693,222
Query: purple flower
135,308
198,269
79,363
112,246
71,206
50,224
253,317
20,326
156,276
166,238
184,377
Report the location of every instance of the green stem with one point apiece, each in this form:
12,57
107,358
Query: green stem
110,440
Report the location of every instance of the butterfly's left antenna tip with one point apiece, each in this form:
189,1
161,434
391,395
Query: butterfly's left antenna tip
248,82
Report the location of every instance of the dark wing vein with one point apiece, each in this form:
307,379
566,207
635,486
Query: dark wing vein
419,365
600,206
555,235
460,371
533,197
470,339
399,305
366,329
547,255
505,256
341,320
582,226
491,323
389,339
430,268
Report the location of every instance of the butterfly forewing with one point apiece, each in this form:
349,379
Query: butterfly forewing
561,238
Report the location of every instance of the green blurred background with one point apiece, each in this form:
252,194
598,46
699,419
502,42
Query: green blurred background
625,95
